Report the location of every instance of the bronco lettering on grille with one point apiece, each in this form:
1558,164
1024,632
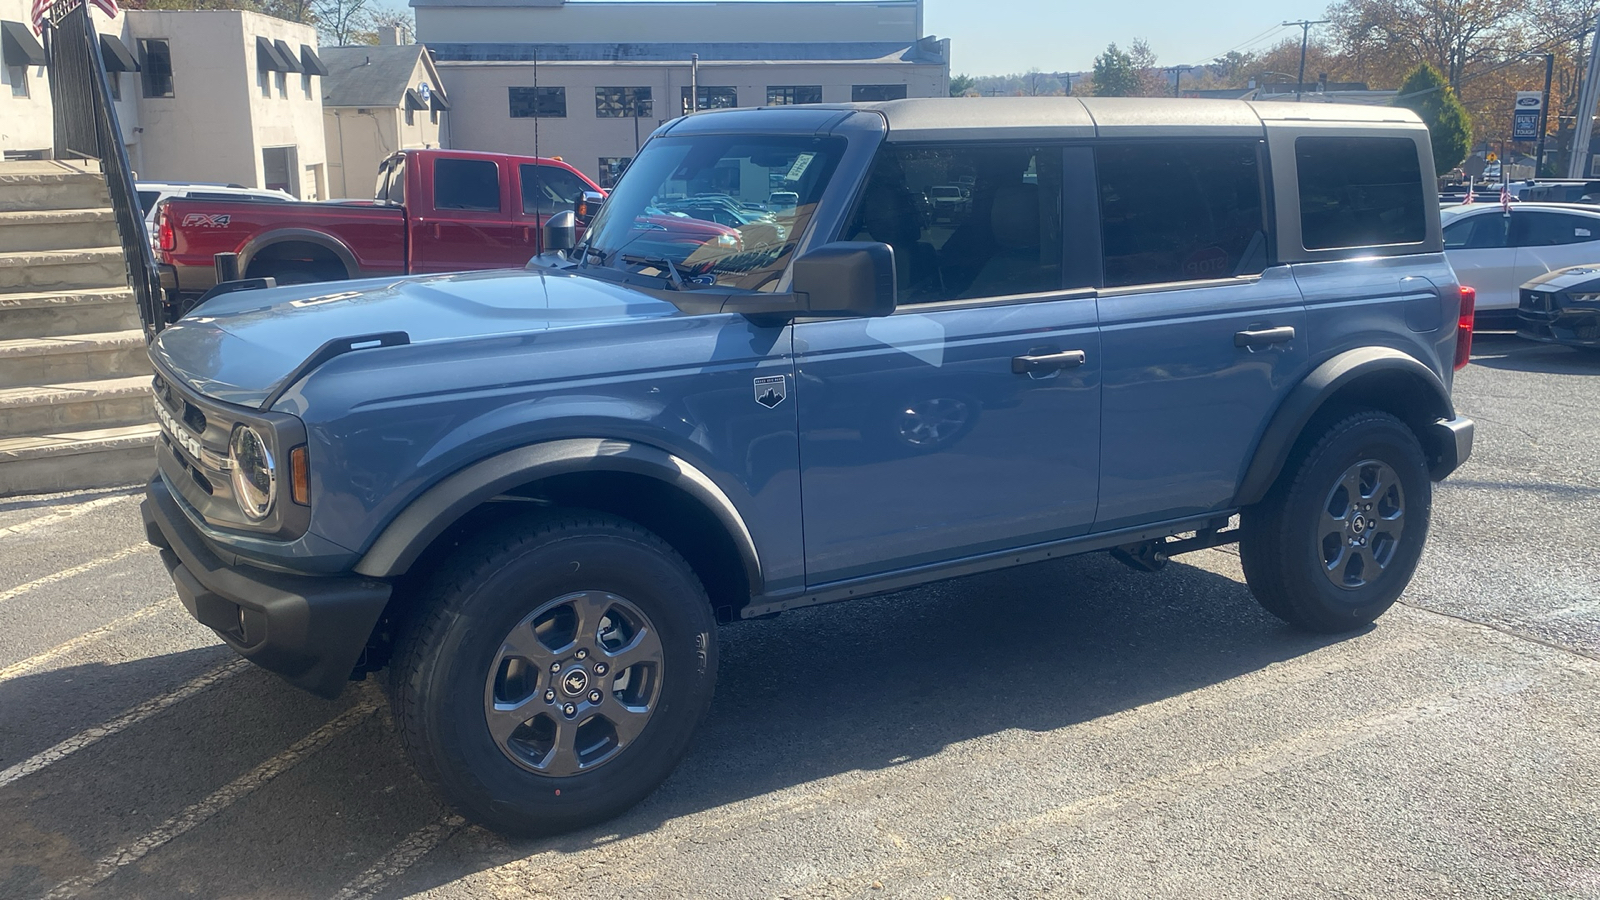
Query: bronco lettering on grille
178,433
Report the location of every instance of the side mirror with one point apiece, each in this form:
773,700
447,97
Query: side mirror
560,232
588,204
845,278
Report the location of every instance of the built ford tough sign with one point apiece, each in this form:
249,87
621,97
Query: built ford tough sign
926,338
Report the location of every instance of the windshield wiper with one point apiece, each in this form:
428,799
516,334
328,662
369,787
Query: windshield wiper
659,262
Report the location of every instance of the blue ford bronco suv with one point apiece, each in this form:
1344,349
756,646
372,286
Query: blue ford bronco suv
531,495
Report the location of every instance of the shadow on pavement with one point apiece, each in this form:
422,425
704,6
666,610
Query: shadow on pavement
1504,350
57,500
858,686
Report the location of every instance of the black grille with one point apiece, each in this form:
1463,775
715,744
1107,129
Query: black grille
194,418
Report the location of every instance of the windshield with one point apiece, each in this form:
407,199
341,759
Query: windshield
713,210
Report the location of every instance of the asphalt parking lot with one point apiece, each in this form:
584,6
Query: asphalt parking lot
1067,729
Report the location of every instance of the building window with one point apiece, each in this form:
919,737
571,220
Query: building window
156,63
622,103
433,117
283,84
792,94
611,168
1359,192
305,84
411,116
867,93
538,103
114,81
19,80
712,98
1181,211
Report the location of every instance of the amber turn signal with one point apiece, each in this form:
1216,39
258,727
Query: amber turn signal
300,476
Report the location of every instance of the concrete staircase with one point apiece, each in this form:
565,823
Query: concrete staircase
75,404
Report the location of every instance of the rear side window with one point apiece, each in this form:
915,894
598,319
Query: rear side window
471,184
1542,229
1359,192
1187,211
147,200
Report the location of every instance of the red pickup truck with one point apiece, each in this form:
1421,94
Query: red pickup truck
434,211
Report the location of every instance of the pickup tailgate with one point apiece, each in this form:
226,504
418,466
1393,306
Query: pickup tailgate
369,240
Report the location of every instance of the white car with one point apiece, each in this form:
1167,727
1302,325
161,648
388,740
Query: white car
151,193
1496,253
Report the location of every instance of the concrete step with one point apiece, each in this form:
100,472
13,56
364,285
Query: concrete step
73,358
30,271
70,460
58,229
51,184
51,313
105,403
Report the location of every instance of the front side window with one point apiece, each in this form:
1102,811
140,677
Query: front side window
711,98
866,93
467,184
538,102
547,189
793,94
965,221
155,56
1549,229
622,102
1359,192
1180,211
1485,232
706,211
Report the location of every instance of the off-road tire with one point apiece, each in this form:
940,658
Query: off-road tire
1279,546
444,655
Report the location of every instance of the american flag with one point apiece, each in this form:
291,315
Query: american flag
1468,198
41,10
1505,199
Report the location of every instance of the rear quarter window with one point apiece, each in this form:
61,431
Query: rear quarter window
1359,192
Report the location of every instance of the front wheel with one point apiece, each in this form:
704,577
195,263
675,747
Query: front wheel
1338,538
557,674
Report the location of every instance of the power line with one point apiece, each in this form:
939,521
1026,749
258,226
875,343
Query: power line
1305,36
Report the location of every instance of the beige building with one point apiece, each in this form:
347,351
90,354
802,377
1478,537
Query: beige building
25,126
376,100
202,95
608,73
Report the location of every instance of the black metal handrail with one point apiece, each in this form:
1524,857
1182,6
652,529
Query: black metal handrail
86,126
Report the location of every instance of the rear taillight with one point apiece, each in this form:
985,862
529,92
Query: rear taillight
169,240
1469,303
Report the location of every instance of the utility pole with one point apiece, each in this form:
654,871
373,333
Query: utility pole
1305,36
1579,159
694,82
1544,114
1177,73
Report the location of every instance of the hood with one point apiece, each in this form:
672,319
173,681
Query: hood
240,347
1566,279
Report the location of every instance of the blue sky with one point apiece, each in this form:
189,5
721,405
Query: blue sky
998,37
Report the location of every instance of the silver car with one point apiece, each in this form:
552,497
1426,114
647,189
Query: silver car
1496,253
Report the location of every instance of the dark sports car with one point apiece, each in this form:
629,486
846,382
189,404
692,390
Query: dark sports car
1562,307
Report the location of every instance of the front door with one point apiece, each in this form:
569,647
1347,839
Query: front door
1480,250
968,421
467,222
1201,339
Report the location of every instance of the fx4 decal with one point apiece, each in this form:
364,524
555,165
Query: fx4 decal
206,220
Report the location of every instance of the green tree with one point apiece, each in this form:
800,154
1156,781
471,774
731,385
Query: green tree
1114,74
961,85
1449,127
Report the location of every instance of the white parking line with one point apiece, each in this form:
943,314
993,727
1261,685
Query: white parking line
219,800
121,723
41,660
79,569
404,855
56,518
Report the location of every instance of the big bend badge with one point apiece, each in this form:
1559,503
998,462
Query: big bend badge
771,389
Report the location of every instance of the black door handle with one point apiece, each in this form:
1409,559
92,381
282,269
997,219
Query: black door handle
1264,336
1047,362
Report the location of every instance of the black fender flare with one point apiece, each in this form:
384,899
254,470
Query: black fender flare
443,504
1312,393
260,242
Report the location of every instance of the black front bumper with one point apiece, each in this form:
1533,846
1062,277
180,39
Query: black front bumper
311,630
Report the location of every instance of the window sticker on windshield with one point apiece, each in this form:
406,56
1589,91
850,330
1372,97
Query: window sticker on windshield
799,167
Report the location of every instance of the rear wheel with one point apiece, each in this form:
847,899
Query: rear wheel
1337,540
557,674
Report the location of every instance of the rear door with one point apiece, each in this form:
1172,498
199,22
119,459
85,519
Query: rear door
467,221
1478,246
1201,337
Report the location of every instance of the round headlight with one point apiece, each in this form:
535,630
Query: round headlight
255,476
